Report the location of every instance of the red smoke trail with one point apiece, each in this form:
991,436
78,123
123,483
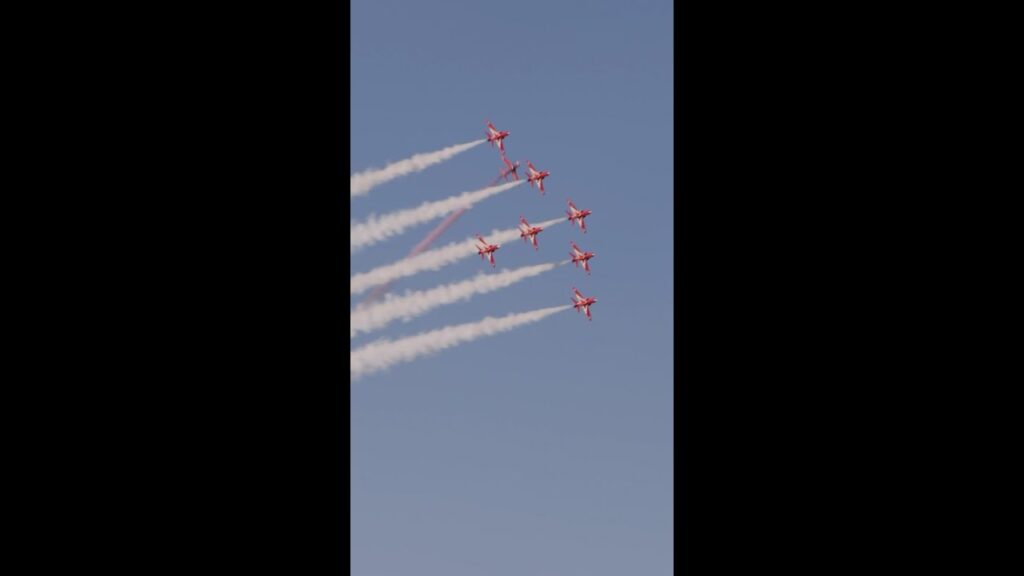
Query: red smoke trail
429,239
423,245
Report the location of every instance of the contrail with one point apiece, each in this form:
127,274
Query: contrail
432,259
361,183
434,234
413,304
376,229
385,353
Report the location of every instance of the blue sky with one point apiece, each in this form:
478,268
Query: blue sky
547,449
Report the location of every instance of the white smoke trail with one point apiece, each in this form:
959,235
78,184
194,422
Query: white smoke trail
432,259
384,353
360,184
413,304
376,229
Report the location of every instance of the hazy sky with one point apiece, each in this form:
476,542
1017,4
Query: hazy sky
548,449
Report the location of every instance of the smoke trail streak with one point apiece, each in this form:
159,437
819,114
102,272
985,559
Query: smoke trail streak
384,353
429,239
413,304
360,184
434,234
432,259
377,229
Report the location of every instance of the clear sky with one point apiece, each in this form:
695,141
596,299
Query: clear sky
546,450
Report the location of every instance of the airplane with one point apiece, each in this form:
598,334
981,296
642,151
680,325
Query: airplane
536,176
579,302
494,135
580,256
527,231
577,216
486,250
510,168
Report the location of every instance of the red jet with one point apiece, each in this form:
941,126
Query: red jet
527,231
536,176
579,302
580,256
493,135
486,250
510,168
577,216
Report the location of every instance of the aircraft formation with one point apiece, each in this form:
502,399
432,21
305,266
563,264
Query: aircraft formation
372,314
529,233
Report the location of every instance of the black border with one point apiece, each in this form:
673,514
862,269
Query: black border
216,356
802,331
